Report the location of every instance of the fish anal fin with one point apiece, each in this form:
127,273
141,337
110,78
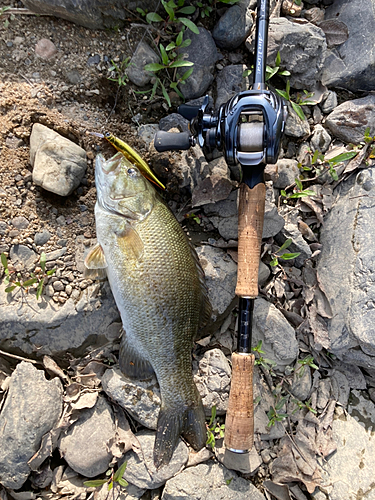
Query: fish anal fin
132,364
95,263
130,242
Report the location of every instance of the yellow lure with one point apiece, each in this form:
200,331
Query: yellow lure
132,156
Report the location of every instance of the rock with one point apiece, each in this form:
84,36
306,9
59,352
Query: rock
299,244
93,14
22,254
330,102
349,121
174,120
92,60
141,470
20,222
42,238
246,463
45,327
216,186
74,76
147,132
221,277
302,48
32,408
320,139
314,15
140,398
345,270
143,55
278,337
212,377
59,164
347,472
233,27
209,481
204,63
45,49
230,81
302,381
286,173
351,65
84,444
294,126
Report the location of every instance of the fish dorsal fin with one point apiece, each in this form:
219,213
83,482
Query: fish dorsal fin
130,242
95,263
132,364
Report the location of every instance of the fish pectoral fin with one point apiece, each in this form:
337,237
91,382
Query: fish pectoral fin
95,263
132,364
130,242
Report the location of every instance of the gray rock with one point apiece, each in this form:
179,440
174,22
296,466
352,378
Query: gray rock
349,121
330,102
191,168
46,327
347,472
59,164
221,277
93,14
147,132
204,62
74,76
212,377
287,171
294,126
233,27
42,238
22,254
174,120
230,81
45,49
84,444
32,408
209,481
302,381
143,55
320,139
20,222
216,186
278,337
345,271
140,398
352,64
141,470
302,48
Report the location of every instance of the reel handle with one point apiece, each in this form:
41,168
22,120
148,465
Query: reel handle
169,141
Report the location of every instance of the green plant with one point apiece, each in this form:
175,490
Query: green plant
274,415
270,72
112,477
173,10
268,364
194,217
300,193
300,100
301,405
369,140
307,361
118,72
285,256
215,430
3,10
321,164
13,279
206,8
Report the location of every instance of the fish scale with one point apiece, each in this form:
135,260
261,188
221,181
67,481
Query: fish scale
158,286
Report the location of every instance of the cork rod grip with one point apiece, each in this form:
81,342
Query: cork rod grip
239,422
250,229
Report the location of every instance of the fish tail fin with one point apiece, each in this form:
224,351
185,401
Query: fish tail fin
188,421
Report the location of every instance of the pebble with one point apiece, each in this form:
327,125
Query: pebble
58,286
45,49
20,222
42,238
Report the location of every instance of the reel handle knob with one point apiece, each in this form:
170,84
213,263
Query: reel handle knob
169,141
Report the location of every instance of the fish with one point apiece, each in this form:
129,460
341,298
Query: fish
159,288
132,156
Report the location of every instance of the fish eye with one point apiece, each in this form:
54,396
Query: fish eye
132,171
107,134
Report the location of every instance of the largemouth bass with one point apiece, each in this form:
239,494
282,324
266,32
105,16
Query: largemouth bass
159,289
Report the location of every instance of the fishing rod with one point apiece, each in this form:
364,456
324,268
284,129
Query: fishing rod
248,129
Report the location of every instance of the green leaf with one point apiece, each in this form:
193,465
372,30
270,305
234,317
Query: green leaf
274,262
283,94
342,157
285,245
298,184
169,10
297,108
39,288
285,72
181,64
189,24
283,193
95,483
110,486
164,55
120,471
10,288
153,17
179,38
170,46
333,173
4,261
185,43
42,261
30,282
153,67
287,90
165,94
123,482
190,9
290,256
278,59
271,72
182,97
228,481
315,156
186,75
51,271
